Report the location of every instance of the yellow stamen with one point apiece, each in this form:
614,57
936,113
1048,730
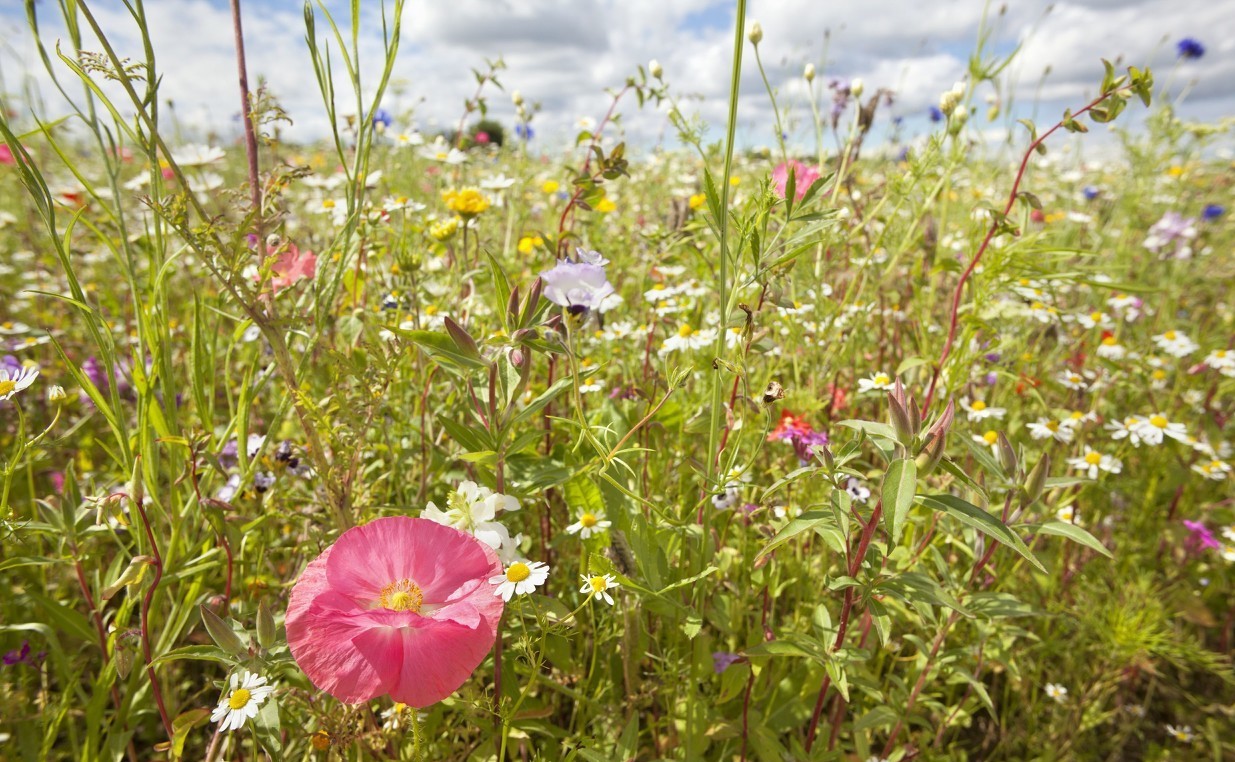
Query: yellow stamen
1093,458
588,520
990,437
403,595
240,698
685,331
1159,421
518,572
7,386
978,405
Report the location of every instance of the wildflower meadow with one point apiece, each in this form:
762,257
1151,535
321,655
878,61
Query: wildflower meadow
473,443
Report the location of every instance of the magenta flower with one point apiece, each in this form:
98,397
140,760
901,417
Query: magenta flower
1200,537
399,606
803,178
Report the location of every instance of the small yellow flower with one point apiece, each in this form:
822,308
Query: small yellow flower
443,230
605,205
467,203
698,200
550,186
528,243
735,181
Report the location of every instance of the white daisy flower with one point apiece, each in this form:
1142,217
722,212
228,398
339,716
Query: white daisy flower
978,410
1110,349
598,586
12,382
1175,343
1095,319
1220,359
1215,470
242,701
1072,379
520,578
688,338
1077,418
1092,462
1151,430
990,439
1057,692
440,151
1127,428
1068,515
1183,733
588,525
1047,428
878,381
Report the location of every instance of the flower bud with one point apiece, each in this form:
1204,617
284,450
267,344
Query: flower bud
56,394
273,241
755,35
857,87
655,70
809,72
959,117
516,98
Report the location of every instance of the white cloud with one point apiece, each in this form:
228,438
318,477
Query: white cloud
566,53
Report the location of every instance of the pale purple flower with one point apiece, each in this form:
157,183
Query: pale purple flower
722,660
578,287
1172,235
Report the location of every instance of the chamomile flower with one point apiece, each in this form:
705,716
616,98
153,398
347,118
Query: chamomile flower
688,338
978,410
989,438
241,702
598,586
1215,470
1152,429
589,524
1175,343
1068,515
1048,428
1095,319
1221,359
1076,380
878,381
14,381
1057,693
1127,429
520,578
1110,349
1078,418
1183,733
1091,462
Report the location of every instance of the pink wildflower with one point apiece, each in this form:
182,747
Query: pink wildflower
6,154
803,178
399,606
1200,537
292,265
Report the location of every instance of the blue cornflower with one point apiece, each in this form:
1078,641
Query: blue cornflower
935,114
1190,49
1090,192
382,117
524,131
1213,212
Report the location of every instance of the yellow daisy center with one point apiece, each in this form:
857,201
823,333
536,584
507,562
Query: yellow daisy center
240,698
588,520
978,405
882,378
1110,341
1220,353
1159,421
598,584
991,437
403,595
7,386
1169,335
1159,374
518,572
1052,425
1076,415
1093,458
1095,316
685,331
328,204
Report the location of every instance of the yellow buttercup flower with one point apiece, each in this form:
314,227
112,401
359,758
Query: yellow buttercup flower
698,200
466,203
550,186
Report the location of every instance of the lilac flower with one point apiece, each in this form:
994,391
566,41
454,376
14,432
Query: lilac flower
1190,49
382,117
577,286
1213,212
1090,192
1201,538
722,660
1174,231
18,656
589,257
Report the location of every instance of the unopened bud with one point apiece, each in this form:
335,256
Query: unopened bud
959,117
809,72
899,419
131,574
930,455
655,69
273,241
755,35
857,87
516,98
1036,482
1007,456
56,394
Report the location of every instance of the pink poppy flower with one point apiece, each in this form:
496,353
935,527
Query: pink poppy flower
293,265
803,177
399,606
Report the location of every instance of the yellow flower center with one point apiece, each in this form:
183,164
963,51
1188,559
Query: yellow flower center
1169,335
685,331
882,378
978,405
1220,353
1093,458
7,386
1076,415
1158,420
403,595
598,584
7,324
240,698
518,572
1052,425
1095,316
1037,306
1110,341
328,203
320,740
588,520
991,437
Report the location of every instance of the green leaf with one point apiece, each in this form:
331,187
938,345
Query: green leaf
899,485
185,722
583,496
984,522
820,521
443,349
1072,532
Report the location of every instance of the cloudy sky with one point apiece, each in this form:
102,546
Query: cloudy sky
564,54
